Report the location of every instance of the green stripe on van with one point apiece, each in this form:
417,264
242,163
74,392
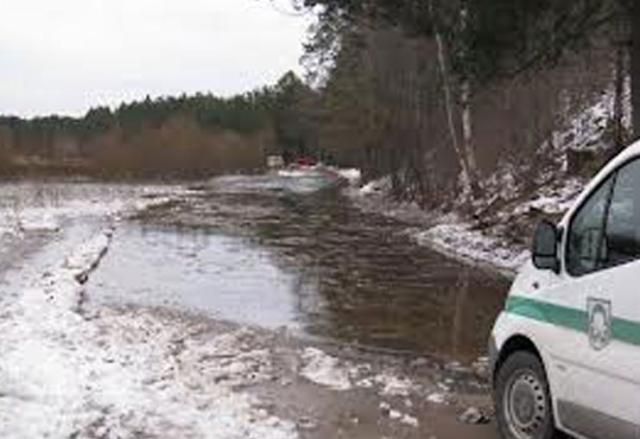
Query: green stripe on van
625,331
566,317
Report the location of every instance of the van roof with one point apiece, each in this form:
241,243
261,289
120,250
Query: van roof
630,151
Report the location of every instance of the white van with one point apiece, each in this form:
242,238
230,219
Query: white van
565,351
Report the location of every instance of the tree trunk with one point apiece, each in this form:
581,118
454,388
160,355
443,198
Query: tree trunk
467,138
448,103
465,101
635,68
618,105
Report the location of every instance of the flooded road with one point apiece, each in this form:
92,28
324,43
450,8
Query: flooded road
130,310
34,214
278,251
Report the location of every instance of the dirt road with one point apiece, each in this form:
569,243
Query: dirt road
74,366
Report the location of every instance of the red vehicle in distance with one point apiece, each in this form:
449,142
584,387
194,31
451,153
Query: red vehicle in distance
306,162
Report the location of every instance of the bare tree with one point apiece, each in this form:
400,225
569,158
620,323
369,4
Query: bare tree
465,172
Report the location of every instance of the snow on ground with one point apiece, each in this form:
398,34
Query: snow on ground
436,398
120,374
30,208
457,238
352,175
460,237
375,187
340,375
553,201
302,172
68,371
586,130
393,385
324,369
448,233
556,193
128,375
399,394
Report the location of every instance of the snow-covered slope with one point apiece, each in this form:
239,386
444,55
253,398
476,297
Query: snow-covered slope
495,231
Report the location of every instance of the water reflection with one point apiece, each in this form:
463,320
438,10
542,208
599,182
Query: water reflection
374,286
194,270
245,249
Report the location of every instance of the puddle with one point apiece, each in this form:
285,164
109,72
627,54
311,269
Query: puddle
261,250
222,276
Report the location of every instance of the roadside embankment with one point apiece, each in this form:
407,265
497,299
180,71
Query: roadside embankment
495,236
494,229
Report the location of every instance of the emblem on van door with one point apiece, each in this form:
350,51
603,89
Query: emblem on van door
599,323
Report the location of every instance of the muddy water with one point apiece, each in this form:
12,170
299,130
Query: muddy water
293,252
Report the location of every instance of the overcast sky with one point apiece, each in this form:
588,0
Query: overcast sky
65,56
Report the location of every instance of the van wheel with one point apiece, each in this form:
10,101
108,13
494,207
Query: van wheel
522,398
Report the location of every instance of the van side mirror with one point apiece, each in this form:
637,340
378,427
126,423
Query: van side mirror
545,247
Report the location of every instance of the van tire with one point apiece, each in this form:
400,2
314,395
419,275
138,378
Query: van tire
522,398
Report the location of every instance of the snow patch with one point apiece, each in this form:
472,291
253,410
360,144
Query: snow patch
409,420
457,238
38,221
382,185
393,385
587,128
124,374
436,398
298,173
328,371
398,416
353,176
323,369
553,201
68,373
43,215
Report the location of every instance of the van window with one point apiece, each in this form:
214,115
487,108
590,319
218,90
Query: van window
585,237
623,220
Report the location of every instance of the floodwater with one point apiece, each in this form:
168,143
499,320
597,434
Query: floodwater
293,252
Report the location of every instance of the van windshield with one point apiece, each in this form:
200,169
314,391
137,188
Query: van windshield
623,230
